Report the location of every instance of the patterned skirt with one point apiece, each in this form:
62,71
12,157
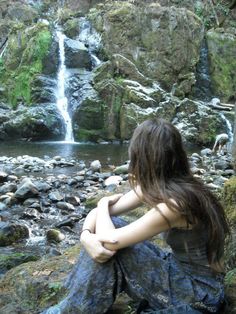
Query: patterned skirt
148,275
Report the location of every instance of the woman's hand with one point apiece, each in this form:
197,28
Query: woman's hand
109,200
93,244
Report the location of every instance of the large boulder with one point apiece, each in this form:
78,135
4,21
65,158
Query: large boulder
77,55
39,122
222,52
165,41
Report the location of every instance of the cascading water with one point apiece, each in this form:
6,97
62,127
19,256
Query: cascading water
202,89
62,101
90,38
229,128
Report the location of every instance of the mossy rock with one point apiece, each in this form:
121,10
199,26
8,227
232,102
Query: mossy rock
222,52
11,260
26,50
72,28
229,200
33,286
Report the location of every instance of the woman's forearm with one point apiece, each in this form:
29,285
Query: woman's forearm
90,220
103,219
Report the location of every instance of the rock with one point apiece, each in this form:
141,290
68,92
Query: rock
9,261
123,169
113,180
54,235
65,206
45,276
26,189
2,206
154,31
40,122
77,55
3,176
222,49
229,199
55,196
72,199
95,166
72,28
9,187
11,233
206,152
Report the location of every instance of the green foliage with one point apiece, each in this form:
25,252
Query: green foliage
209,13
18,81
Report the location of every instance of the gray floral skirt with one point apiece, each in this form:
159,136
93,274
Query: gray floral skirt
148,275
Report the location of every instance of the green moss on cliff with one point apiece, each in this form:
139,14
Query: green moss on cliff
23,62
222,51
229,200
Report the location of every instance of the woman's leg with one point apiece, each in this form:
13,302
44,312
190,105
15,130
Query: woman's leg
92,287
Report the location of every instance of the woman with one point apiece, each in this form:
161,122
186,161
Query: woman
117,257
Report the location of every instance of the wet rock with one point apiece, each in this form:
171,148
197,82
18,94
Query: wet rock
74,200
30,213
2,206
10,233
54,235
223,165
55,196
206,152
26,189
9,187
65,206
77,55
3,176
42,186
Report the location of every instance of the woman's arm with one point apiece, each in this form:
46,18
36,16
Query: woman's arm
127,202
155,221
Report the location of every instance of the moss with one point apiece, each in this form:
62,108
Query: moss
89,135
222,50
229,200
9,261
20,72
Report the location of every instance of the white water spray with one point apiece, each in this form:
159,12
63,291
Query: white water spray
228,127
62,101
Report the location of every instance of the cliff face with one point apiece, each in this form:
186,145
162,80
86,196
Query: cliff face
149,50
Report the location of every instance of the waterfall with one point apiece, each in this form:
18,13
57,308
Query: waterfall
229,129
91,39
202,89
62,101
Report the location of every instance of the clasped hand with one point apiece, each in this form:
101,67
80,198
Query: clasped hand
94,243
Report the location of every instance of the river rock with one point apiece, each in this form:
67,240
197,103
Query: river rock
9,187
113,180
10,233
95,165
65,206
3,176
55,196
54,235
26,189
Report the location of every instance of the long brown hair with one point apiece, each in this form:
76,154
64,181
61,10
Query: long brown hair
159,165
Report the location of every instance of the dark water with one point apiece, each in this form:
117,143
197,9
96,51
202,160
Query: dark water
108,154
